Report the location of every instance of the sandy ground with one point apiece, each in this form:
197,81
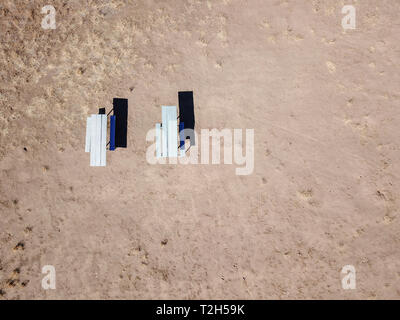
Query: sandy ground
323,103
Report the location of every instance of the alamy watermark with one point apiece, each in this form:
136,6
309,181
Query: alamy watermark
349,279
49,281
232,149
349,20
49,21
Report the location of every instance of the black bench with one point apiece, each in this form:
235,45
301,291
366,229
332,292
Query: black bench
186,112
121,121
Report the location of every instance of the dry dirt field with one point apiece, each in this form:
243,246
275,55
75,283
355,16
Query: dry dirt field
323,103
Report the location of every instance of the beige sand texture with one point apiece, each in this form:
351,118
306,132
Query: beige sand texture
324,106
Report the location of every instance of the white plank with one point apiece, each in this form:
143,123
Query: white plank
95,140
172,133
169,131
98,139
158,140
164,135
103,139
88,134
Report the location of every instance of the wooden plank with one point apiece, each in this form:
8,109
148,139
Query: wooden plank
88,134
103,139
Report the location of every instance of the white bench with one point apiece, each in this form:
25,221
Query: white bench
96,136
